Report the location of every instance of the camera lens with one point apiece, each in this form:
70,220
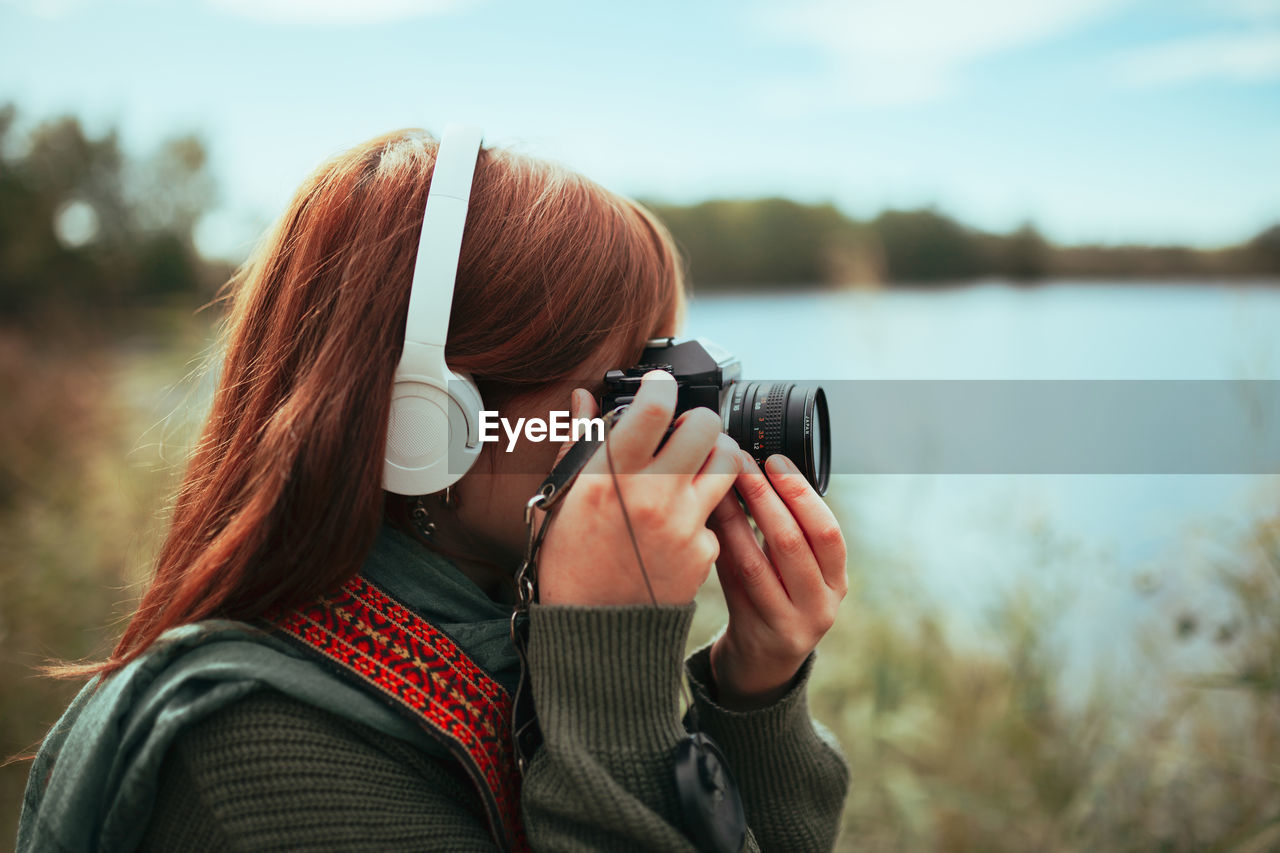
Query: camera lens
765,418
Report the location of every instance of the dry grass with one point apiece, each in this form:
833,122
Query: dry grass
83,484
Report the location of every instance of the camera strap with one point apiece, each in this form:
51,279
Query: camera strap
525,735
568,469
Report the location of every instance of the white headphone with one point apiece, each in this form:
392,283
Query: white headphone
433,432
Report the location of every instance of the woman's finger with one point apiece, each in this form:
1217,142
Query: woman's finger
717,476
746,574
690,444
816,521
640,428
789,549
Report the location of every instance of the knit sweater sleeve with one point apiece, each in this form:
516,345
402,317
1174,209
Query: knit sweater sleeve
606,685
793,775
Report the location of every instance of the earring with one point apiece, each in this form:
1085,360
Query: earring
421,519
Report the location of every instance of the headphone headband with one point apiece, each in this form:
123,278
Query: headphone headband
440,243
433,433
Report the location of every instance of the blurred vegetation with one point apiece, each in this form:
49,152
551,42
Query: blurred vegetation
92,443
92,239
980,745
100,284
953,746
767,243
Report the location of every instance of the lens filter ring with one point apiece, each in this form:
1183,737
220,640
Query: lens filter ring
782,417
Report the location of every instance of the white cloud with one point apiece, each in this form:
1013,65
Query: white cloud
49,9
902,51
316,12
1255,10
334,12
1246,57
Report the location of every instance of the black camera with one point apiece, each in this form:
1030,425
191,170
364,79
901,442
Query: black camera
762,417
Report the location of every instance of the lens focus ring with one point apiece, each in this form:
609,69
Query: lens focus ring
774,411
781,417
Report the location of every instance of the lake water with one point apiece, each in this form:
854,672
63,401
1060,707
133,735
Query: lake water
1125,556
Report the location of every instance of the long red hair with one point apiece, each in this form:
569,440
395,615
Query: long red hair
282,499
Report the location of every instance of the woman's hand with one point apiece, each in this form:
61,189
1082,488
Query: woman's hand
783,597
587,557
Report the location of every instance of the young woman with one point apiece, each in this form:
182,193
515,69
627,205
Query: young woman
318,663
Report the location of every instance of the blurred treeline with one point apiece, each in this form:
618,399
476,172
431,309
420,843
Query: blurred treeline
764,243
87,233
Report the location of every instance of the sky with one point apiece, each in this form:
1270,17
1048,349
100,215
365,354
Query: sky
1098,120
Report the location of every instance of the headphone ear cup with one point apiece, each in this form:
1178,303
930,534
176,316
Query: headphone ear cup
465,434
433,434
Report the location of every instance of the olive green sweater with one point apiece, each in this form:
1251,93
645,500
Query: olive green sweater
269,772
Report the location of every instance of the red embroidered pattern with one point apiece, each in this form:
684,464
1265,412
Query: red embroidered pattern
405,658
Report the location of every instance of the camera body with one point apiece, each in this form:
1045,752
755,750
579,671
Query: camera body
703,372
762,417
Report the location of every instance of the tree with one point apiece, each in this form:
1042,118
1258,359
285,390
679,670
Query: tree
86,231
1025,254
924,245
1265,248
